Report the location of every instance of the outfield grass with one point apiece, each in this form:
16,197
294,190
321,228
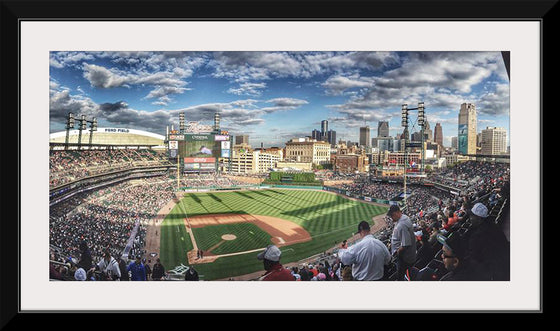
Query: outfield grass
328,218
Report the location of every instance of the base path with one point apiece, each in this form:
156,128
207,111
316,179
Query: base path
153,231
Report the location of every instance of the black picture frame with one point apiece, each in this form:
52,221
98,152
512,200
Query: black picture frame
14,12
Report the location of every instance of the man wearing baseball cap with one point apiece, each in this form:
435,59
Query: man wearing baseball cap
367,257
454,258
403,241
137,270
488,247
274,270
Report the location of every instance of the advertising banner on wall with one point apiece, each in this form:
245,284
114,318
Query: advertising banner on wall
176,137
200,160
192,166
462,139
221,138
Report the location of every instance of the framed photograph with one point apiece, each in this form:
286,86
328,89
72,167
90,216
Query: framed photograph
163,131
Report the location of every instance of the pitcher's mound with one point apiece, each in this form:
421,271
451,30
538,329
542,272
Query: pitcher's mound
229,237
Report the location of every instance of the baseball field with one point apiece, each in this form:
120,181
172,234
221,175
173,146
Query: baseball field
231,227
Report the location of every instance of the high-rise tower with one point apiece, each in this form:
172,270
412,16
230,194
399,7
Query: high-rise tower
467,129
438,134
364,136
383,129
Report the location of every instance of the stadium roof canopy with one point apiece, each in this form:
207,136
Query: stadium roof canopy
110,136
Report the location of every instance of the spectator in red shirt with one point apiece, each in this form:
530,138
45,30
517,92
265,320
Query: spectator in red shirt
274,270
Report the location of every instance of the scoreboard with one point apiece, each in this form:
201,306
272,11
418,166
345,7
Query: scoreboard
200,152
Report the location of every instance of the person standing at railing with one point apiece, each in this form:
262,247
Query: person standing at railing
368,257
403,241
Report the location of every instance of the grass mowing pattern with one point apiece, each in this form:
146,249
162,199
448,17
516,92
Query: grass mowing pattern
327,217
249,237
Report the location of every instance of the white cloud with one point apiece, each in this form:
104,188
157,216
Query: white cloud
253,89
337,85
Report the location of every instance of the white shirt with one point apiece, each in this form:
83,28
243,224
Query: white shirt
111,269
367,258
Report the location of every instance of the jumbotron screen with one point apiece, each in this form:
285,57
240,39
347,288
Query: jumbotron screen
200,145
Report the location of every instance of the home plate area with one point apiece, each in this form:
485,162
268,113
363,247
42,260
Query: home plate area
281,231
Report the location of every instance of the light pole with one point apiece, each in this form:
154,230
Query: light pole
69,125
404,123
421,122
93,127
83,126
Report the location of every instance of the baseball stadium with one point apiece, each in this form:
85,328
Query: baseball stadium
177,205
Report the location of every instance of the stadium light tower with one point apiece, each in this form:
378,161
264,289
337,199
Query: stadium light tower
404,123
82,127
217,122
93,127
422,123
69,125
181,123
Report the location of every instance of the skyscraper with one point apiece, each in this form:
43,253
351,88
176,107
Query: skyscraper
316,134
331,137
383,129
325,134
324,127
364,136
438,134
242,139
467,129
494,141
427,131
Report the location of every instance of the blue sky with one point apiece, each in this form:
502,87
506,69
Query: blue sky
276,96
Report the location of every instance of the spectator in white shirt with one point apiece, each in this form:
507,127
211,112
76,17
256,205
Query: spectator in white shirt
109,267
368,257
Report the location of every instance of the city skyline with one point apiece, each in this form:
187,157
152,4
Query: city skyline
275,96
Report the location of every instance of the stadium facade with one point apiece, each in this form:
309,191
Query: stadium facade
114,137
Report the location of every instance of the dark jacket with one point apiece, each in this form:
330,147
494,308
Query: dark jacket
86,261
158,271
462,273
191,275
124,271
488,252
425,255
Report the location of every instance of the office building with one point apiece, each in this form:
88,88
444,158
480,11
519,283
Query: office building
466,139
493,141
365,136
438,134
383,129
242,139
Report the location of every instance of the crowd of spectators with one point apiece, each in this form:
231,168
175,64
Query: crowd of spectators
383,191
330,175
208,181
69,165
87,227
107,220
